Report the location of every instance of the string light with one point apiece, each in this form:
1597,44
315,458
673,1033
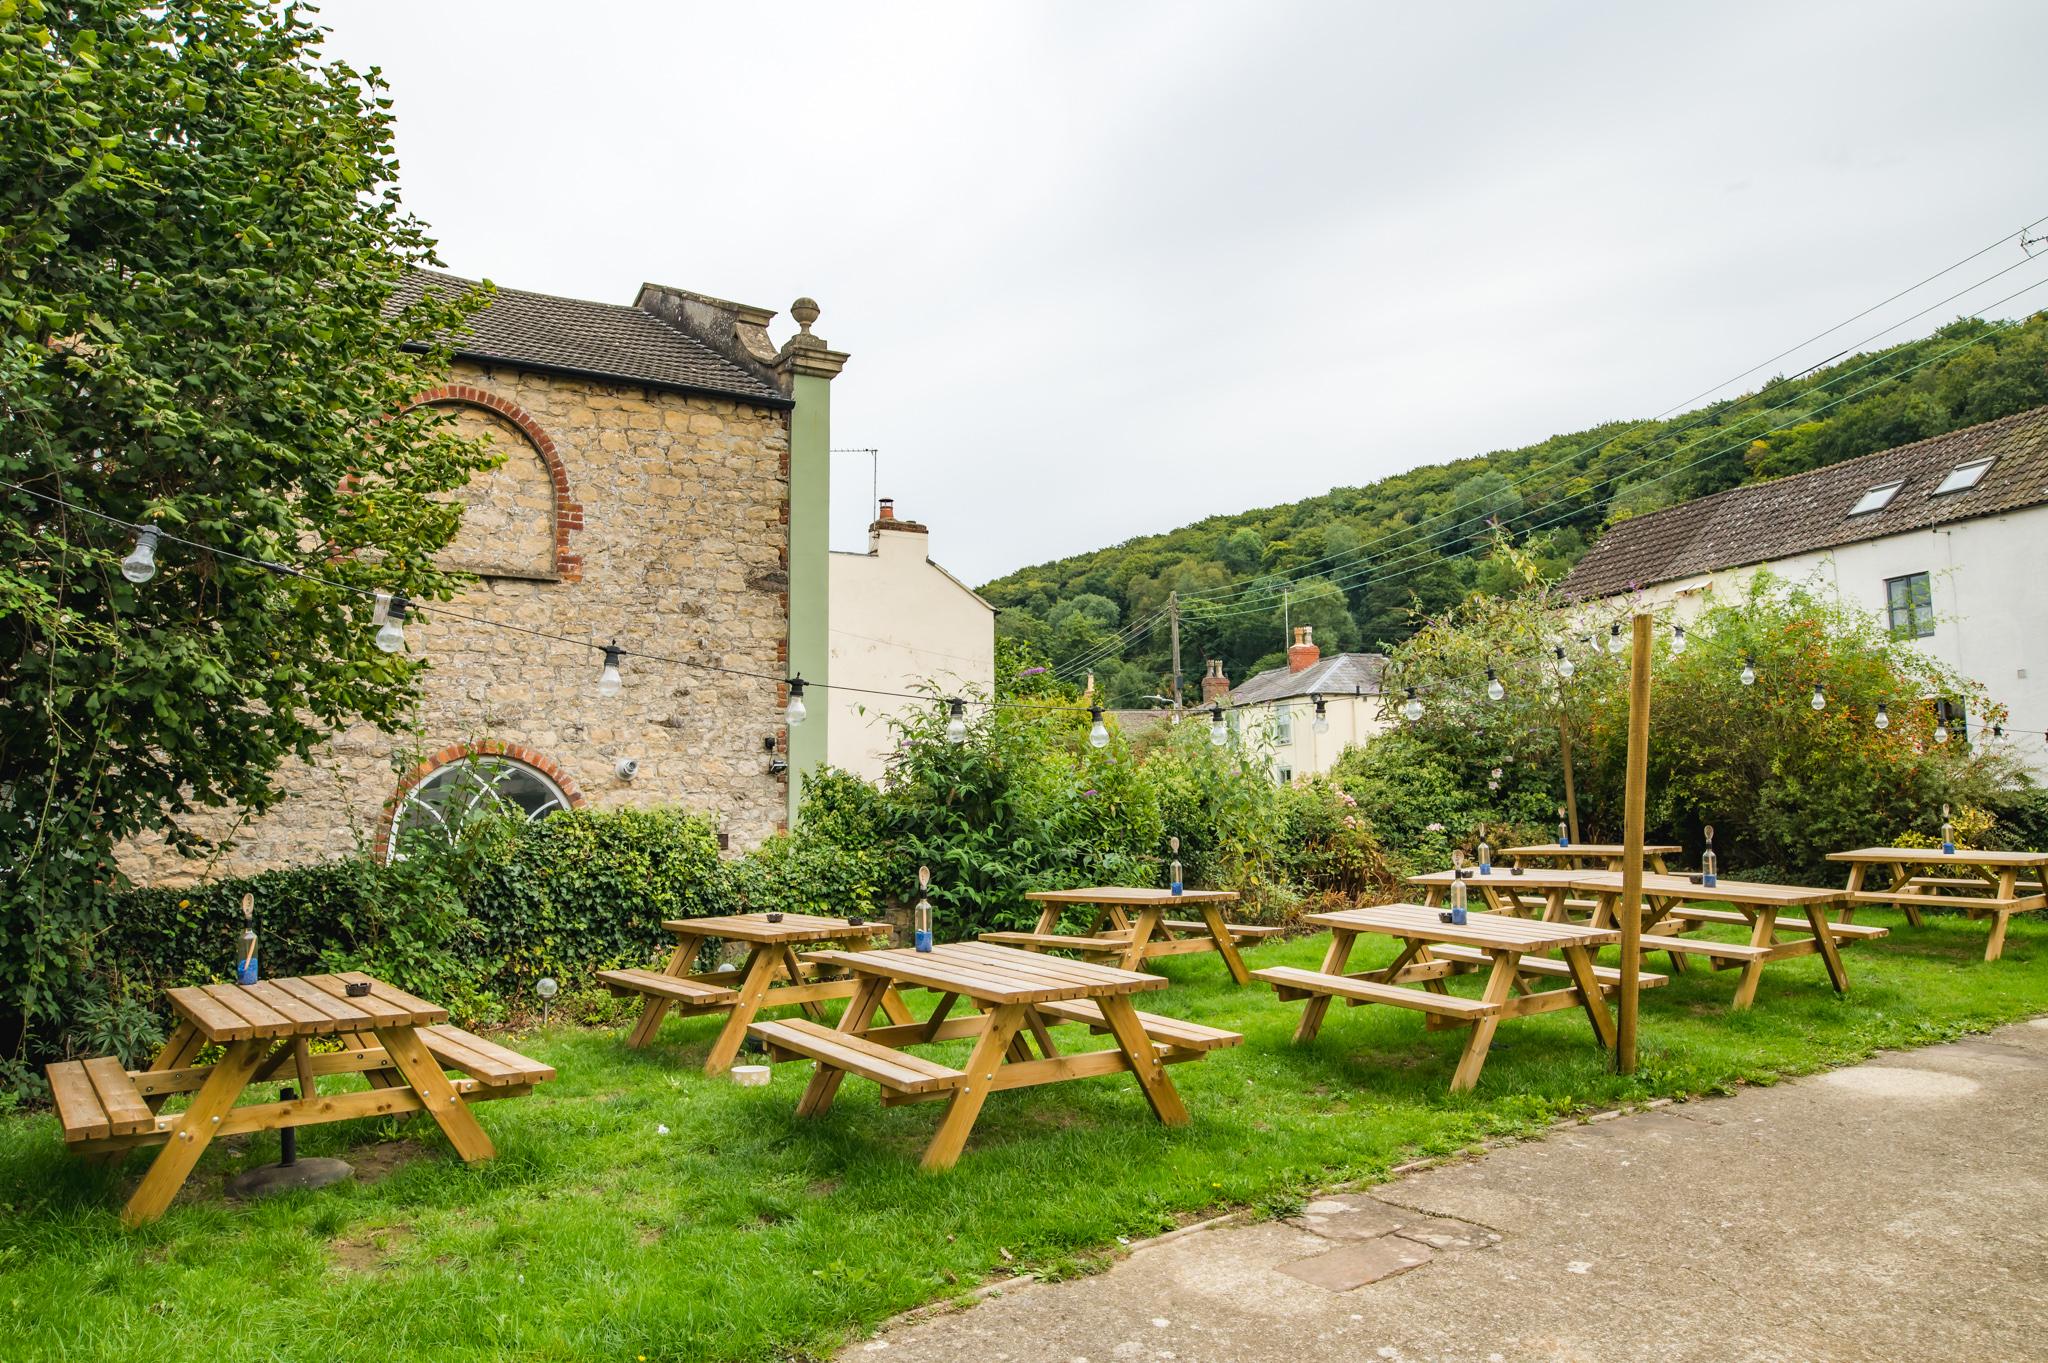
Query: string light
1820,698
1219,733
1748,677
608,682
1884,719
1677,640
956,726
1412,707
1494,690
1322,721
1614,644
1565,666
794,713
391,634
1099,735
140,565
1941,713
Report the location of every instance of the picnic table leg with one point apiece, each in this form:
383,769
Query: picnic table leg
794,968
656,1007
965,1104
1473,1059
1581,963
167,1172
180,1049
1855,887
1047,1047
1225,947
1763,933
1824,942
892,1002
2008,888
436,1094
1313,1009
824,1085
1136,1044
1142,930
755,978
1900,879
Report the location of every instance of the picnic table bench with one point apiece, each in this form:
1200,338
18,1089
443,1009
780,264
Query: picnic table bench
774,975
1510,949
400,1044
1017,997
1981,883
1131,926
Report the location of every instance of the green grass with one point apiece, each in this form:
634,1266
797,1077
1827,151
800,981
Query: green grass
746,1234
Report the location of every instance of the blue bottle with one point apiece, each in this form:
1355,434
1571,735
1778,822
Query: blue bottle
921,916
246,970
1173,884
1485,853
1564,832
1710,865
1948,834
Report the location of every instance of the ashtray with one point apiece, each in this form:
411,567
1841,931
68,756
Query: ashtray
775,918
358,989
1514,870
1696,880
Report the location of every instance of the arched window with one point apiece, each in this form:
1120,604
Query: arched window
468,787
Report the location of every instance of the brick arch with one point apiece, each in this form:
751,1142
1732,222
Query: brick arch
456,752
568,512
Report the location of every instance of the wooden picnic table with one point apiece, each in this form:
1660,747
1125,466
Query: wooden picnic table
1598,856
1675,902
1512,950
1525,892
399,1043
1019,996
1131,926
1982,883
774,975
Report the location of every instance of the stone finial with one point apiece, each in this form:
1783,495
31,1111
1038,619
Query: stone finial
805,311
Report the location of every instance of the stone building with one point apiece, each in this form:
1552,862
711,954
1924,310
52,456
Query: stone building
665,483
899,622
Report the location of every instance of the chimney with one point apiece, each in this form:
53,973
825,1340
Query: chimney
899,531
1215,686
1303,653
886,509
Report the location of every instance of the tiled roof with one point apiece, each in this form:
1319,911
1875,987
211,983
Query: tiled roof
603,340
1340,675
1808,512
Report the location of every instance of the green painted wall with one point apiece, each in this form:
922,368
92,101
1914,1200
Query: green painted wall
810,504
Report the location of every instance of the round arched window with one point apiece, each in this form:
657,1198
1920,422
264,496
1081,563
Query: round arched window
456,792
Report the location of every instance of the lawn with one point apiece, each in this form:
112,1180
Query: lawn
743,1234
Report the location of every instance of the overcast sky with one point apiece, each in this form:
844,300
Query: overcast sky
1107,269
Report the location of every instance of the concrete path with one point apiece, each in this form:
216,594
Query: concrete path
1891,1212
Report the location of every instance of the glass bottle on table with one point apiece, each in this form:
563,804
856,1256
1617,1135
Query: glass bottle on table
1173,874
246,969
1710,865
1485,853
1458,888
1564,829
921,916
1948,834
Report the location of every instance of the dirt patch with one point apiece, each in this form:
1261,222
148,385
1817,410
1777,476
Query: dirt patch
379,1161
824,1187
368,1251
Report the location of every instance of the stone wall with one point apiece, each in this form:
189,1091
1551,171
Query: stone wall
667,521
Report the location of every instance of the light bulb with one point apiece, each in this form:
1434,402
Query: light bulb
1412,707
1099,735
1883,720
1940,733
1748,671
1219,733
140,565
1677,640
1565,666
1494,690
608,682
794,713
1614,640
956,727
391,634
1820,698
1322,722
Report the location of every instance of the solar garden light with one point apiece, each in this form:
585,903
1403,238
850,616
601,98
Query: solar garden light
546,987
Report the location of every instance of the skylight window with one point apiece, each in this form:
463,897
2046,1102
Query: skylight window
1963,477
1877,499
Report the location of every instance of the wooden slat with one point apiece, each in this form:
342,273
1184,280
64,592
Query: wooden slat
261,1018
214,1022
341,1012
1191,1036
381,1012
976,978
79,1110
305,1019
1051,969
1934,856
419,1012
1694,946
1498,930
1235,929
892,1069
503,1064
1055,941
1587,849
1292,978
1728,891
642,981
1540,965
126,1112
794,927
1132,896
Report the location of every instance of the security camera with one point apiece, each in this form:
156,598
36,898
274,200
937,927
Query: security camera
627,767
777,766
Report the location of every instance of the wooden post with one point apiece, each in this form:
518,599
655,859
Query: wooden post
1564,745
1632,844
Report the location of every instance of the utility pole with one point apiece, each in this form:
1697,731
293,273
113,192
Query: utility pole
1564,743
1173,618
1632,845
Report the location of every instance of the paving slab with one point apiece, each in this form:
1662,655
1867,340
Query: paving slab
1893,1211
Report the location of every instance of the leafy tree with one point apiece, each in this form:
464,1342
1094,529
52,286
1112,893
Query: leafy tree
1244,551
200,233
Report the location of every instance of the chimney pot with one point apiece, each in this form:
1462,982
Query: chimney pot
1215,686
1303,653
886,510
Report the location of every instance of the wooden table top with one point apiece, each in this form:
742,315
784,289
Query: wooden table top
1492,931
1531,878
1727,892
311,1005
1588,849
989,973
1934,856
794,927
1132,896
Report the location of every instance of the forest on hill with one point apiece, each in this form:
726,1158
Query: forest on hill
1365,564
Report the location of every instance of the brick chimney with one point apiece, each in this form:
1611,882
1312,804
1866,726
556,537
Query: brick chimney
885,509
1215,686
1303,653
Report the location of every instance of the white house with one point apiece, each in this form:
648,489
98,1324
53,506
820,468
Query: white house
899,620
1279,709
1946,538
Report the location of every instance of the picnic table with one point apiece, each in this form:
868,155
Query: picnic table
399,1043
1676,902
1526,892
1513,951
1018,997
1598,856
1981,883
1131,926
774,974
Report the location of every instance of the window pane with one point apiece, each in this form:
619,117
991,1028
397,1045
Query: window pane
1964,476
